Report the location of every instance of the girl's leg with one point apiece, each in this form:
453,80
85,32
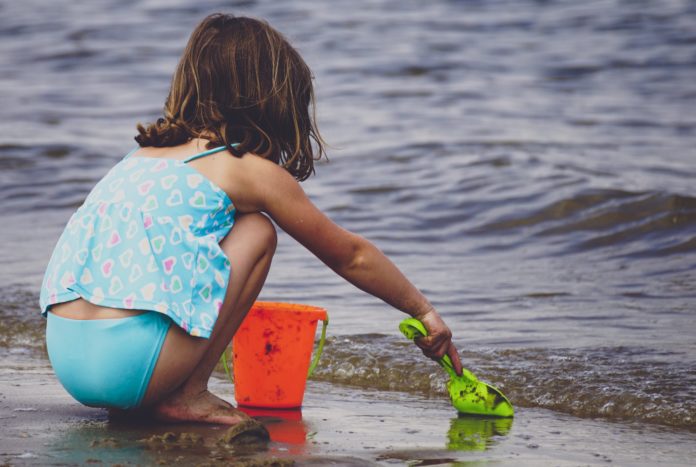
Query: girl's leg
178,388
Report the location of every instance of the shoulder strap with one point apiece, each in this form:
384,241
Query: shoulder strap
207,153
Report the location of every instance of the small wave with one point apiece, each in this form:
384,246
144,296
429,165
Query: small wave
603,218
46,177
21,326
619,383
563,209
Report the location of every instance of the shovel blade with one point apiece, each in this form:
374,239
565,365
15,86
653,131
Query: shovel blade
478,398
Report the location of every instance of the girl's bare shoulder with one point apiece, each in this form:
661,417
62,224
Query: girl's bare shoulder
253,181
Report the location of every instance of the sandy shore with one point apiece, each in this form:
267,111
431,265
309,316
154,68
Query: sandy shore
42,425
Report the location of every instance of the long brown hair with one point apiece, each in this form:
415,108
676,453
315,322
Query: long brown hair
240,81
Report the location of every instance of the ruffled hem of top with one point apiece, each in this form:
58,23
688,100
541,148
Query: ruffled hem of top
192,300
76,291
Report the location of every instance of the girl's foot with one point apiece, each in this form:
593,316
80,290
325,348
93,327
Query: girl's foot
203,407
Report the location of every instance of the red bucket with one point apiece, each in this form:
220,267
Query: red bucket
272,351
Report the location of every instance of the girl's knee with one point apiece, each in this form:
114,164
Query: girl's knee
254,228
265,231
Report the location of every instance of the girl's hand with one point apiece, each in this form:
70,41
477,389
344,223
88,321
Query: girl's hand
438,342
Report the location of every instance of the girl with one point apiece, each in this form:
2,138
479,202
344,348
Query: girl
156,270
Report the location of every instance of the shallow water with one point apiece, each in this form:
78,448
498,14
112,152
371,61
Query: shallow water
529,165
338,425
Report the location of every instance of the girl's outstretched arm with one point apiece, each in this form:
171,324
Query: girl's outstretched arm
351,256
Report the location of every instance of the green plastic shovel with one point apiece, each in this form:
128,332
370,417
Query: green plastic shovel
469,395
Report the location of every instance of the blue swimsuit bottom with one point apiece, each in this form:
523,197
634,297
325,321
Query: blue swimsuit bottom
106,362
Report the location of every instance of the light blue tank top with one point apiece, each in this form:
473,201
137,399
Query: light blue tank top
147,237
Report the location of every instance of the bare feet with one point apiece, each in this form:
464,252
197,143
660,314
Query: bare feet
203,407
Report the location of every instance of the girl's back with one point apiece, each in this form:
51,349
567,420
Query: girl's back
147,237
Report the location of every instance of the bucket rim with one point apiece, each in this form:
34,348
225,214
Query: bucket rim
310,311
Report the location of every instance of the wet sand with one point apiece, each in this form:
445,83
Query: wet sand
339,425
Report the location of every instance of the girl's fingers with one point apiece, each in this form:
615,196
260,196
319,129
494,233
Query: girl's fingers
433,346
424,343
439,349
454,356
438,342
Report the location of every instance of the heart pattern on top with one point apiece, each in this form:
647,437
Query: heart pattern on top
148,236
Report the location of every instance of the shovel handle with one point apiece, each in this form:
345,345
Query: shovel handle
412,328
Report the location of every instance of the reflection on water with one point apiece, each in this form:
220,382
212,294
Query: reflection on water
85,443
476,433
142,441
284,425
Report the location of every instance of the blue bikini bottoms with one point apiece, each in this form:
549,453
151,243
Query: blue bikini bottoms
106,362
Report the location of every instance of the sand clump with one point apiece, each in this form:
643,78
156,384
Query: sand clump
247,432
171,440
104,443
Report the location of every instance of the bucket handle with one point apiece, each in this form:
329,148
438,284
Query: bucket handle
315,361
320,347
223,359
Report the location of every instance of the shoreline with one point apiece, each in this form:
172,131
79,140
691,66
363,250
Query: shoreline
43,425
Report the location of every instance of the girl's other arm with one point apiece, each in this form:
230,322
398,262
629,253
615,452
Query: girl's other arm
351,256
